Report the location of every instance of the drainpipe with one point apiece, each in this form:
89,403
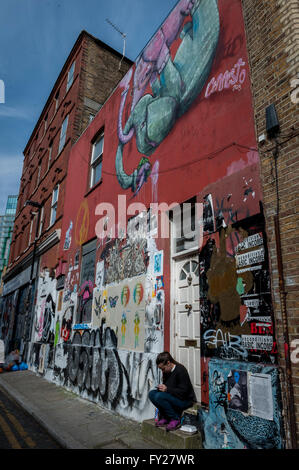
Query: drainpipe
283,303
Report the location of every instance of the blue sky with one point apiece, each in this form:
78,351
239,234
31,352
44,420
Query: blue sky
36,37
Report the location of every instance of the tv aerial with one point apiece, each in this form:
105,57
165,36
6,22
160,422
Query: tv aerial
124,36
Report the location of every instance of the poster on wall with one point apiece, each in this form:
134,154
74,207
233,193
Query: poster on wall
261,396
122,308
158,263
131,322
99,274
42,354
97,307
237,390
154,314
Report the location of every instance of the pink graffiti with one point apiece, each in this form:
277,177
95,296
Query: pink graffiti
152,61
233,79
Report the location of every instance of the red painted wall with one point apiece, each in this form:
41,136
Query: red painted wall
208,150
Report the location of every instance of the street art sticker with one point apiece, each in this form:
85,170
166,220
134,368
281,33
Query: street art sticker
175,82
237,390
235,292
97,307
99,274
71,283
42,353
158,263
67,321
68,237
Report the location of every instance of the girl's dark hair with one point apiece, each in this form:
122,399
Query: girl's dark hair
164,357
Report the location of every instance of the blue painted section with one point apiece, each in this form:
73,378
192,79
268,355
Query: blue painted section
228,428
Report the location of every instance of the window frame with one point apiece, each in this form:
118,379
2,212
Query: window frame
50,153
45,123
54,205
70,76
62,138
56,98
96,161
38,176
41,222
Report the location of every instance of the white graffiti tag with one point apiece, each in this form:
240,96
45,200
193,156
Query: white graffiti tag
229,79
226,341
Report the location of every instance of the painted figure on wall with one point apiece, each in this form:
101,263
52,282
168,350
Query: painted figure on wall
138,293
125,296
136,329
123,328
175,83
48,325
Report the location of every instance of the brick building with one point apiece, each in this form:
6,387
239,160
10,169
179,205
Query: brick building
184,126
272,30
88,76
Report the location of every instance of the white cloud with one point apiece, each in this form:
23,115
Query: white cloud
10,165
11,112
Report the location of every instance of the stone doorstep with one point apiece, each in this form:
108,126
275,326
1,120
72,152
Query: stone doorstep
172,439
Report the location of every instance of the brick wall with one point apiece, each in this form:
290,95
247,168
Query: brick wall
95,76
272,29
100,74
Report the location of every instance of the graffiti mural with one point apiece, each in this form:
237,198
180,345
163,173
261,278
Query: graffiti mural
236,426
92,366
174,83
124,259
236,307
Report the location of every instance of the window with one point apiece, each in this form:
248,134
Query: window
35,142
41,224
70,76
54,205
63,134
45,122
185,234
50,154
30,232
96,160
38,173
56,101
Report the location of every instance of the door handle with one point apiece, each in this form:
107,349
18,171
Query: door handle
189,308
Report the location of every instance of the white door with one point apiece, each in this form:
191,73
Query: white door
187,319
